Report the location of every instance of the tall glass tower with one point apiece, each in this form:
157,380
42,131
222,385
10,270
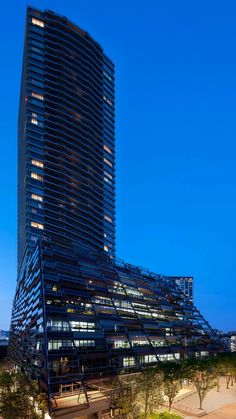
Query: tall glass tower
66,137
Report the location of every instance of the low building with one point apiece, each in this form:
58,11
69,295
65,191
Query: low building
80,317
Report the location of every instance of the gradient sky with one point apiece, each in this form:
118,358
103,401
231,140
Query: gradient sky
176,138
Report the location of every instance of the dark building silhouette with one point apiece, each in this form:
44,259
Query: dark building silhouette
80,316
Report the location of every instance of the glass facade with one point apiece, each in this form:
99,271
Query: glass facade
66,137
186,285
79,316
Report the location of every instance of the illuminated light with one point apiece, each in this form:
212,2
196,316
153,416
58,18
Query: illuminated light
37,163
37,96
106,248
36,176
108,175
37,197
37,225
107,218
106,148
108,162
37,22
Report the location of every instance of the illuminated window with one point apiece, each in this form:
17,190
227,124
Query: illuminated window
36,122
108,162
37,22
106,248
108,101
106,148
107,181
140,343
168,357
37,225
54,345
121,344
37,197
108,175
129,362
37,163
37,96
36,176
77,326
84,342
107,218
147,359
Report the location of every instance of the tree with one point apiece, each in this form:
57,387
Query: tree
203,374
150,390
125,395
172,374
20,397
227,365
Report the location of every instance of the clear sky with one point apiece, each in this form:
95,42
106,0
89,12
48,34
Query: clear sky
175,131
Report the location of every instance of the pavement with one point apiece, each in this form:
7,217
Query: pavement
217,405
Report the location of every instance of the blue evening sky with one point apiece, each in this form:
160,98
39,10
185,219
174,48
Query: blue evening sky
175,131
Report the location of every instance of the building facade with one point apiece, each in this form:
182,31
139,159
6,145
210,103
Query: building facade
66,137
80,316
91,317
186,285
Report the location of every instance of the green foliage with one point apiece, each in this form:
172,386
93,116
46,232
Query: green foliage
172,374
168,415
20,397
150,391
125,395
162,415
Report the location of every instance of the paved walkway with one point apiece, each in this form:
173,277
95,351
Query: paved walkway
219,405
226,412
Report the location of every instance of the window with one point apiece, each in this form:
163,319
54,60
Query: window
37,96
147,359
59,344
82,326
37,82
108,162
140,342
37,197
36,176
106,148
107,218
58,325
36,122
107,76
167,357
37,225
37,22
37,163
84,343
121,344
108,175
129,362
108,101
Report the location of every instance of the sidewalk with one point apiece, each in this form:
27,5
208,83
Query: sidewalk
218,405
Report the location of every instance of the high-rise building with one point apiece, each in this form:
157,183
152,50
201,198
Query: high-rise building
186,285
66,137
79,314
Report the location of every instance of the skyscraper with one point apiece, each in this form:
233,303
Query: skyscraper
80,316
66,137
